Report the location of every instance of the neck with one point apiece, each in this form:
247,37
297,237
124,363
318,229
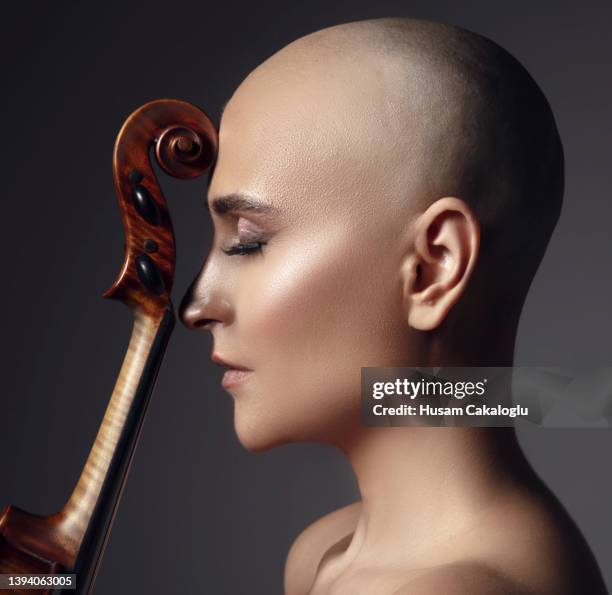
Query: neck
421,485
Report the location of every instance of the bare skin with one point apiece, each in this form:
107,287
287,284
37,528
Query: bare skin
509,535
386,198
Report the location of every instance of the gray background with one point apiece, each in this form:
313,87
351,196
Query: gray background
200,514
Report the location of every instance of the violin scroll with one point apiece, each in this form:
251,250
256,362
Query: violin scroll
185,145
183,153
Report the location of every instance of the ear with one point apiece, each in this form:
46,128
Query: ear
442,256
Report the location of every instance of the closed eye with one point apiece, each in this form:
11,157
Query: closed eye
243,248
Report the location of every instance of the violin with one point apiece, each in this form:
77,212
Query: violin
72,541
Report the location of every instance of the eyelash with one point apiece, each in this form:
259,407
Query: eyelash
244,249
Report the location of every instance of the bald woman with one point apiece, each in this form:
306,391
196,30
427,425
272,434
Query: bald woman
383,195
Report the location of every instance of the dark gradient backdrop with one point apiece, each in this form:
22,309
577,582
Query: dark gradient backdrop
200,514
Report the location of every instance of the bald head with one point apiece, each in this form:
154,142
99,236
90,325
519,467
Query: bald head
383,193
419,111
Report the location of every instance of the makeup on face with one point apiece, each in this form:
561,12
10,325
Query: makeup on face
250,238
245,220
232,377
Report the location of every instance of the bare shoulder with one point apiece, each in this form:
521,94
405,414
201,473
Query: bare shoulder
536,543
528,547
310,545
463,579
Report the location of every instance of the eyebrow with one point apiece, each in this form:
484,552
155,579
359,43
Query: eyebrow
238,202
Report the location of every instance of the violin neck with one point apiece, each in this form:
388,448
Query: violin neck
86,518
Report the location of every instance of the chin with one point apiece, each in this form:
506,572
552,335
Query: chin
256,436
258,441
258,431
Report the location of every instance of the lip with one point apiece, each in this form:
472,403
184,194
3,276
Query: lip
234,375
215,357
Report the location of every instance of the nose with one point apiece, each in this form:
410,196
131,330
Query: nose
203,305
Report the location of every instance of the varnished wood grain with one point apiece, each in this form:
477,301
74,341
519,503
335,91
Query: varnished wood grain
73,539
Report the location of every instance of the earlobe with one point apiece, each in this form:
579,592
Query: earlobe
442,257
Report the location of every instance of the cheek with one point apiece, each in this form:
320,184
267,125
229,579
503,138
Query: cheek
314,313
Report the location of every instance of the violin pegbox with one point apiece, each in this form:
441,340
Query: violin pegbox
185,142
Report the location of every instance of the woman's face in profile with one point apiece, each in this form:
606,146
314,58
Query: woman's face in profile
302,283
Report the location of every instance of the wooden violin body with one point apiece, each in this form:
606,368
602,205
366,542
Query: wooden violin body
72,540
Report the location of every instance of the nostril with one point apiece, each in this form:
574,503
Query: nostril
202,322
202,312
